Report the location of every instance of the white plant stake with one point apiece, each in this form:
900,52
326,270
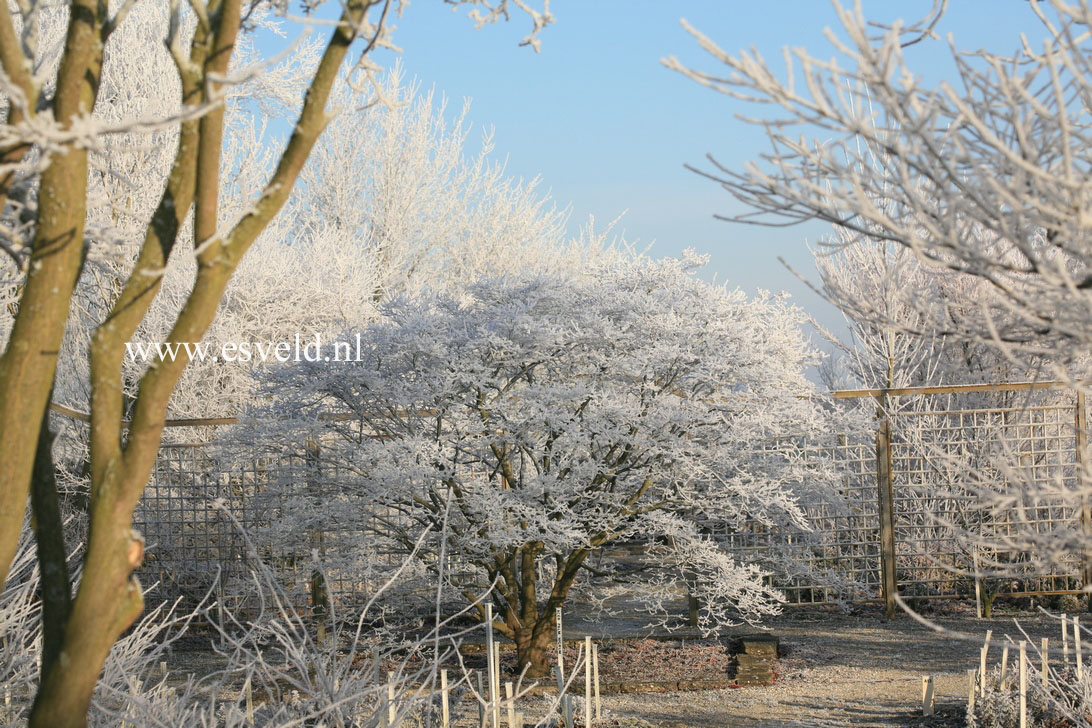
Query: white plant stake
595,677
497,682
1077,647
560,646
971,684
1023,684
928,700
1065,641
587,681
508,693
491,666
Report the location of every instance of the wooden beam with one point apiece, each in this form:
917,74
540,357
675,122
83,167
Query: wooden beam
950,389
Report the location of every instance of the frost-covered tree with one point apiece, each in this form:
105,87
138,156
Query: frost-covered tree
904,320
985,176
543,418
887,345
54,218
390,202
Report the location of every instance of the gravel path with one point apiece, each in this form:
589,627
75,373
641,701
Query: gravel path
845,671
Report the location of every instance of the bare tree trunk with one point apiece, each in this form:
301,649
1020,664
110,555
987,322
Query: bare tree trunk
56,590
30,360
109,597
532,648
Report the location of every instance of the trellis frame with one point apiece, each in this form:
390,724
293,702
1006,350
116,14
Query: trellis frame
863,545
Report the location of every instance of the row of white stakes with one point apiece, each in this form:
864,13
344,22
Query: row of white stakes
976,679
492,706
489,709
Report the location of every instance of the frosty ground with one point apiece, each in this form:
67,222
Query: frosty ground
835,670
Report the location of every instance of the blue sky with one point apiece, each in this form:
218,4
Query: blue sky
608,128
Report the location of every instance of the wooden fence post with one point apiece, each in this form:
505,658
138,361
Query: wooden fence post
885,486
1082,483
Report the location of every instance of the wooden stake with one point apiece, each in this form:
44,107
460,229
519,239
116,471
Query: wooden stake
491,665
977,587
1077,647
970,689
1023,684
560,645
566,702
587,681
220,612
595,680
163,668
519,720
982,672
508,693
445,704
481,699
1004,666
249,702
982,664
1065,641
928,701
1046,662
383,722
392,705
497,683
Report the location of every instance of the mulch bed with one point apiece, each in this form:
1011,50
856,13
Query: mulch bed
638,665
